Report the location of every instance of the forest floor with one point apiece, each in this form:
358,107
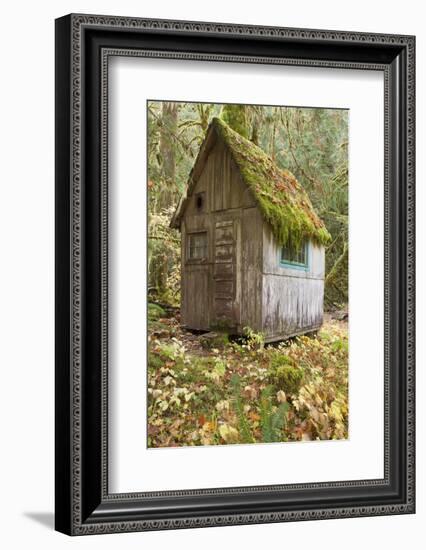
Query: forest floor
207,390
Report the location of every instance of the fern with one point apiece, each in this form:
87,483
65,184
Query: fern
272,420
243,426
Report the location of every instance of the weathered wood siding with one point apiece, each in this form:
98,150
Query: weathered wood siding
241,282
251,269
195,281
212,289
292,299
226,275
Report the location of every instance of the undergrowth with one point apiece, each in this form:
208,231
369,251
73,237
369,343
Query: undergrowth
246,392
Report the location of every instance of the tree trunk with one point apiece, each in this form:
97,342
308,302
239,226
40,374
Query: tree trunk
167,149
235,117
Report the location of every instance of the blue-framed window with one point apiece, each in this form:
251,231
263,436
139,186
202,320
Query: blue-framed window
295,257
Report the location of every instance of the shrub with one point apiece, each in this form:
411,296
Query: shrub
284,375
155,312
154,361
280,359
254,340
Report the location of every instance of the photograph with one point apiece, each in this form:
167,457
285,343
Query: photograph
234,275
247,274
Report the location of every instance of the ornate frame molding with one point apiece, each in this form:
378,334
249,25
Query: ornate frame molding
73,90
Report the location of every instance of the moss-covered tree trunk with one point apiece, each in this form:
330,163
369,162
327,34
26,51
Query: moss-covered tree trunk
336,281
169,128
236,118
166,198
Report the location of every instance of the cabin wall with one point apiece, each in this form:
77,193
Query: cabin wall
251,268
241,282
292,299
212,288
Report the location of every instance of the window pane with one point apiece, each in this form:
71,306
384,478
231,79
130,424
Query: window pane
197,246
291,254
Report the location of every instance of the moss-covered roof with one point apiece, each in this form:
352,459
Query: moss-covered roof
283,202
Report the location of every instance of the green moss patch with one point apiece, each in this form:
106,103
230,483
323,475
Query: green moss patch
285,376
282,200
155,312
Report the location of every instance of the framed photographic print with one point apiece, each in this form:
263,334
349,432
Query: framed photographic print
234,274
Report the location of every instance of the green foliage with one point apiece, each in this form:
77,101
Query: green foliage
235,116
336,282
242,394
340,344
155,361
284,375
272,418
163,258
313,145
218,370
172,350
297,391
155,312
244,429
283,201
254,340
310,143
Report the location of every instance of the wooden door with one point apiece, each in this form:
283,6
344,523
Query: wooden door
225,303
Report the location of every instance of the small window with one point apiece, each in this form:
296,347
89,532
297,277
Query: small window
294,256
197,246
199,202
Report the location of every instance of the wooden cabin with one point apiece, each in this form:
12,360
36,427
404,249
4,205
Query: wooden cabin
252,244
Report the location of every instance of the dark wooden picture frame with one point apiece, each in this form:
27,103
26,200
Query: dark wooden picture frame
83,45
